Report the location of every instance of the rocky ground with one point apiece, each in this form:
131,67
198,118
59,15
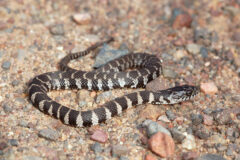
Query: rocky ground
198,41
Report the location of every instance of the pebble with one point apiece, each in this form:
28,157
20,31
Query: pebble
200,34
13,142
96,147
107,54
31,158
150,157
169,73
92,38
1,53
217,138
209,88
222,117
23,123
201,132
49,134
189,155
7,108
207,111
6,65
180,19
3,145
153,127
119,150
99,158
162,144
157,84
207,120
196,119
171,116
123,158
204,52
82,18
82,104
180,54
57,29
164,118
220,147
236,36
104,95
193,48
21,53
99,136
229,152
177,135
15,83
189,142
210,156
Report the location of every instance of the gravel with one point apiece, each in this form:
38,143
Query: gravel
6,65
13,142
196,119
15,83
169,73
204,52
171,116
177,135
96,147
153,127
119,150
211,157
57,29
49,134
7,108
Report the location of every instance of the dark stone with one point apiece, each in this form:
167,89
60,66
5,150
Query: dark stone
153,127
207,111
99,158
220,147
170,115
229,152
196,119
177,135
7,108
96,147
6,65
201,132
13,142
49,134
123,158
189,155
107,54
204,52
200,34
210,157
15,83
222,118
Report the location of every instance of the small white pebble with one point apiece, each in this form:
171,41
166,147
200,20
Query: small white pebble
82,18
209,88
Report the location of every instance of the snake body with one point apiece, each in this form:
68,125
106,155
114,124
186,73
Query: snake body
110,76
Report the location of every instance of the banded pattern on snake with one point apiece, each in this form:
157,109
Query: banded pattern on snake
110,76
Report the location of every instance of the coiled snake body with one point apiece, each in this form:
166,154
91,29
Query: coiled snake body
109,76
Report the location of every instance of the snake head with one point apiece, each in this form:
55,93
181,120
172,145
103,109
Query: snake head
178,94
184,92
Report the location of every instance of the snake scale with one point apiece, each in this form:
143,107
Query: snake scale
115,74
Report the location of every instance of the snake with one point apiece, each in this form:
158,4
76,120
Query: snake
133,70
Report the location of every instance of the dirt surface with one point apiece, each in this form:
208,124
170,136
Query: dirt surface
198,41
